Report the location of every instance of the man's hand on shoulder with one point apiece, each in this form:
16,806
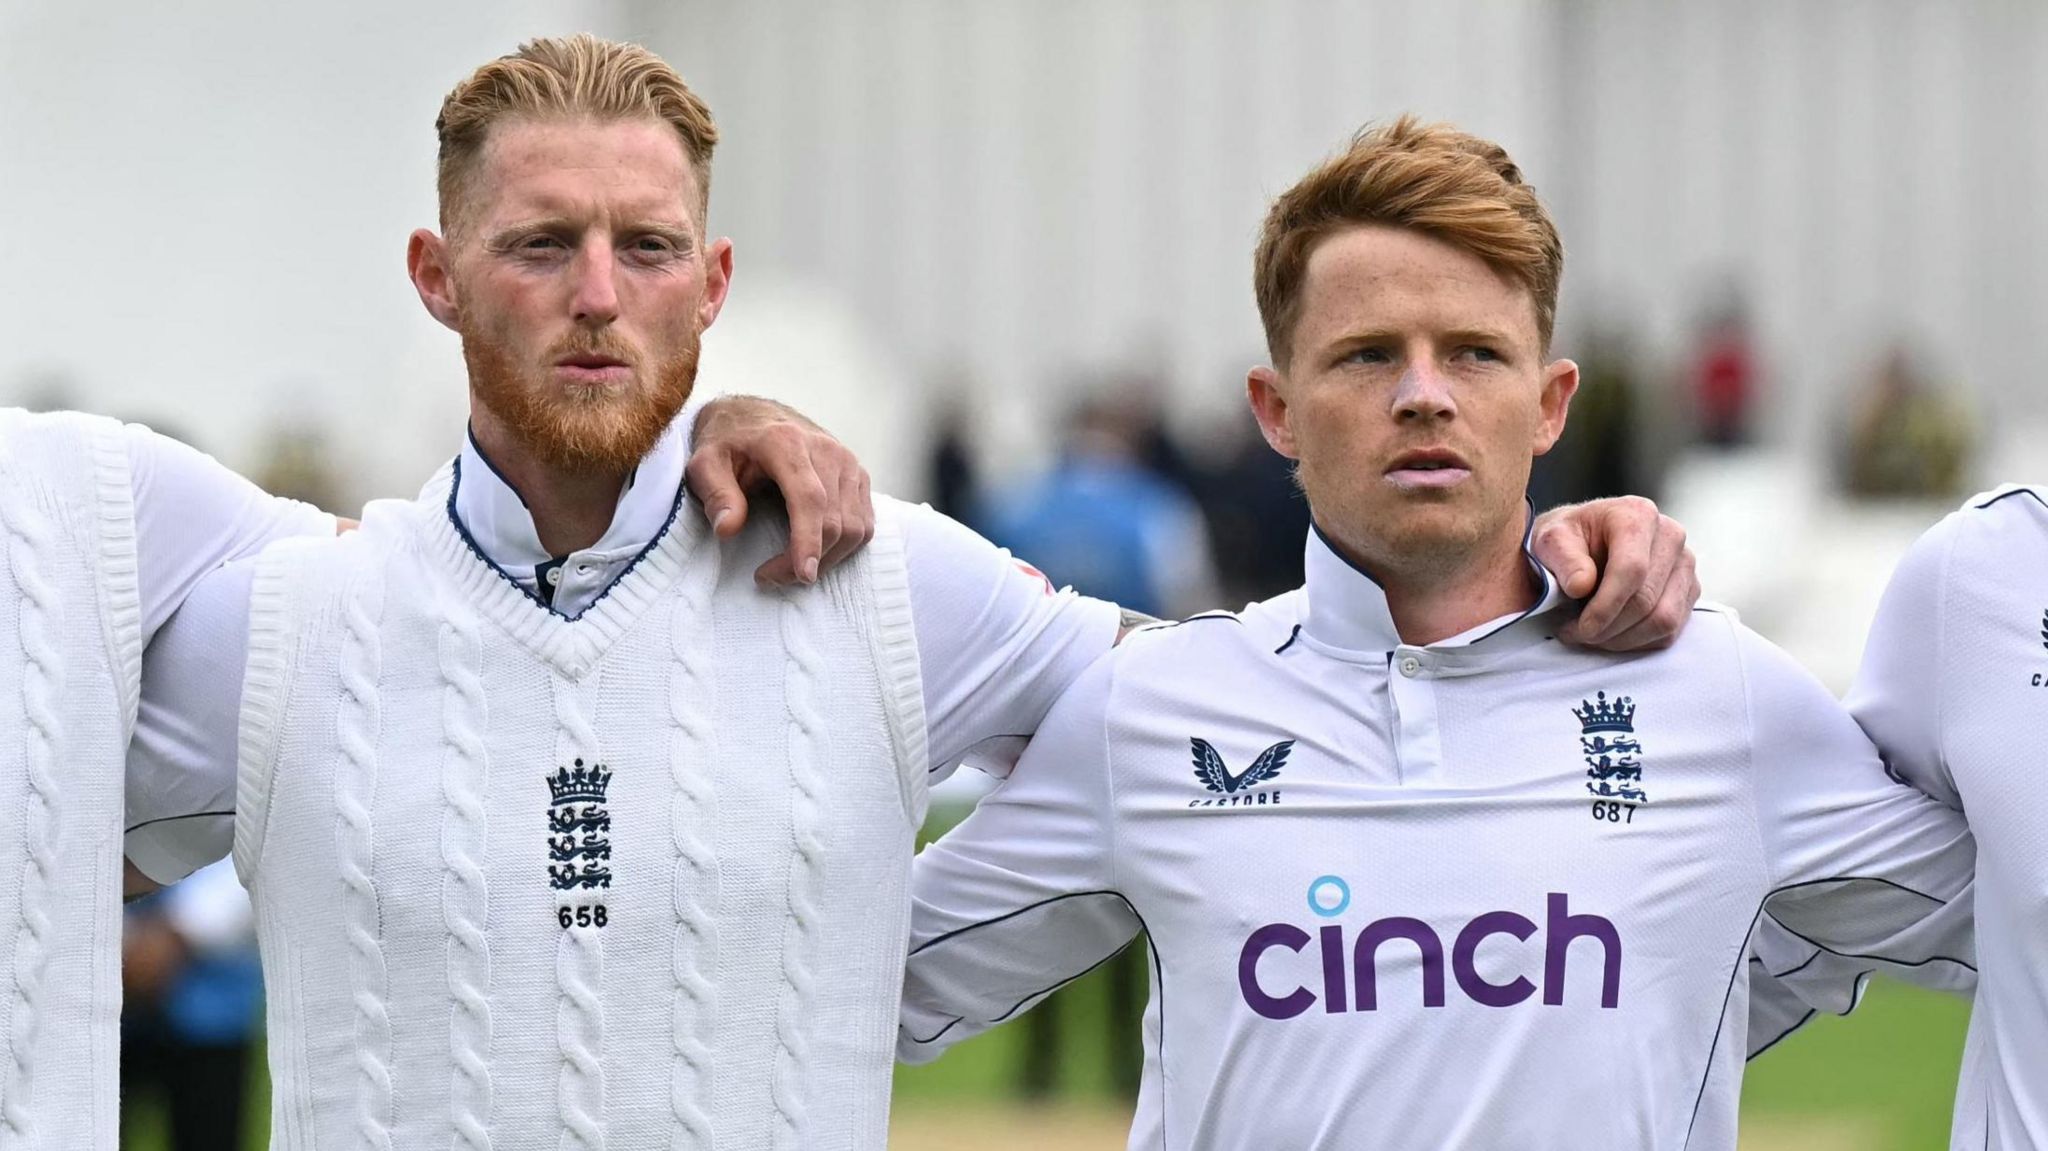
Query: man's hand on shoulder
745,444
1631,566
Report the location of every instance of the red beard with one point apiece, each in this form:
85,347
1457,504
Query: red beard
580,432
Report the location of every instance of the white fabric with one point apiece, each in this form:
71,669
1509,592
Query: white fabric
192,514
1586,982
496,517
1954,689
415,820
998,644
70,630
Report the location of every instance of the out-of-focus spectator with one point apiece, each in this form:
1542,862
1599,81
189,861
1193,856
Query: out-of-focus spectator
298,463
1105,522
1725,374
1600,454
1139,400
194,992
953,476
1908,438
1258,518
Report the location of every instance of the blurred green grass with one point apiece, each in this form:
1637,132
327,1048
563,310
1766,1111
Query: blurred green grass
1890,1068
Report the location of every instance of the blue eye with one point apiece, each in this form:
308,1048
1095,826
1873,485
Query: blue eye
1370,356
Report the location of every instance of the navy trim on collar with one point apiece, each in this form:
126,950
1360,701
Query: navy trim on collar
1317,529
455,485
469,433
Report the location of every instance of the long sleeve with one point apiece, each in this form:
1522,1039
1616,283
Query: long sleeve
1899,695
1021,897
997,643
1866,875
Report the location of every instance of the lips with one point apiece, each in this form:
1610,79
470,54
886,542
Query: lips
593,369
1428,468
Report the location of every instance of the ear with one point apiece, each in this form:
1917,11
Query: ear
426,261
1560,384
717,279
1266,390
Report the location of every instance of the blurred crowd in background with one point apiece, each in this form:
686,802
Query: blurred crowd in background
1003,250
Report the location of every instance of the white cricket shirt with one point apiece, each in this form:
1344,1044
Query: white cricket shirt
1490,893
997,644
1954,689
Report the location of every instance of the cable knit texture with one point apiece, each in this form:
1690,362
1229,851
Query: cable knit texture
803,670
69,616
693,712
465,891
355,793
687,814
42,682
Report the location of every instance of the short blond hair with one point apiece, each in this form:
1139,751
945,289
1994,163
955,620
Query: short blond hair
1431,178
568,77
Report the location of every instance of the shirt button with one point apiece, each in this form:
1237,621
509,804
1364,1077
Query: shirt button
554,577
1410,666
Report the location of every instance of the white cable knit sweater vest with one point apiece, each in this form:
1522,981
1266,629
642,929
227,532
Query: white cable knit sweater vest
71,633
633,881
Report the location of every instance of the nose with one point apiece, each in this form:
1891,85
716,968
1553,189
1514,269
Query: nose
596,299
1424,394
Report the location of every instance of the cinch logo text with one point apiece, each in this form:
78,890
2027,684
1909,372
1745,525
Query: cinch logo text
1350,971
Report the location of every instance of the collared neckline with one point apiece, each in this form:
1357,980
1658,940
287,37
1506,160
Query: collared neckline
1348,613
491,515
496,516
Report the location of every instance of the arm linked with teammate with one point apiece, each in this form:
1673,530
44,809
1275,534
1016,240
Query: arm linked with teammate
1866,875
1021,897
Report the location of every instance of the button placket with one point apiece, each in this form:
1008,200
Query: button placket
1418,751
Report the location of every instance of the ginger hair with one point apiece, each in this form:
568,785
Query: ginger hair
1431,178
570,77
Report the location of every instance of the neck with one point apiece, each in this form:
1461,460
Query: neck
571,508
1432,602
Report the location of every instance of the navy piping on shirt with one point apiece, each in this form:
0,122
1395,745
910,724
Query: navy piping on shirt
455,485
173,818
1158,975
1707,1071
1291,637
2020,491
1785,1034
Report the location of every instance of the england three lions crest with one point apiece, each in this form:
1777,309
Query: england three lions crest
1614,756
579,846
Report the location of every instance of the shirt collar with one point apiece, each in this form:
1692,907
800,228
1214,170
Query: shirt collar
1347,607
496,518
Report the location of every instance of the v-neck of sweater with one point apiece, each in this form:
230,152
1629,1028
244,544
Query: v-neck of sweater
570,646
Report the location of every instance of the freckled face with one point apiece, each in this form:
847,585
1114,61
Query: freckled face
1415,399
